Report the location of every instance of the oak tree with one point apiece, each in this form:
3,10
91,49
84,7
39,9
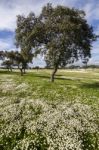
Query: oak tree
24,27
68,36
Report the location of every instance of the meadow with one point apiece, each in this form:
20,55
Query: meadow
36,114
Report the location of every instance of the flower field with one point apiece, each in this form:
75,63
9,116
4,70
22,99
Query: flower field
36,114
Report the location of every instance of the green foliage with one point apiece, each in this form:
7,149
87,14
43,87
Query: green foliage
68,33
8,64
85,61
2,55
24,28
63,35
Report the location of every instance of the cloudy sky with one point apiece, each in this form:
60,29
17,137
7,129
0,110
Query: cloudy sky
9,9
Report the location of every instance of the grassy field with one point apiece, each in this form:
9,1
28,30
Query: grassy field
38,114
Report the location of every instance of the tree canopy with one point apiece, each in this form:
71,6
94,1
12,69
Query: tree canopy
24,27
65,38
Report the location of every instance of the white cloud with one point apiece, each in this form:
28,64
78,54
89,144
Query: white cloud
92,10
38,62
10,9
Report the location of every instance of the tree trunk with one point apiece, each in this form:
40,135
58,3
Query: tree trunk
18,66
11,69
21,72
24,70
53,74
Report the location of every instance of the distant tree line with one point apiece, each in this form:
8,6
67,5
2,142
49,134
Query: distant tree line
14,59
60,34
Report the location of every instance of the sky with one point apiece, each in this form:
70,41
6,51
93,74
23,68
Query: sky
9,9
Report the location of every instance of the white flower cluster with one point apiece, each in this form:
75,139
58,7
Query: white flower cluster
23,86
28,124
8,85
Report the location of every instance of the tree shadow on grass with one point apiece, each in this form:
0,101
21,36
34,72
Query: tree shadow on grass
48,77
63,78
38,75
94,85
57,77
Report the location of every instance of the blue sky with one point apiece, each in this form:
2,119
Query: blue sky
9,9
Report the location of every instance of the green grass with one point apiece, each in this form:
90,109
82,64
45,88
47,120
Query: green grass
68,85
73,86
